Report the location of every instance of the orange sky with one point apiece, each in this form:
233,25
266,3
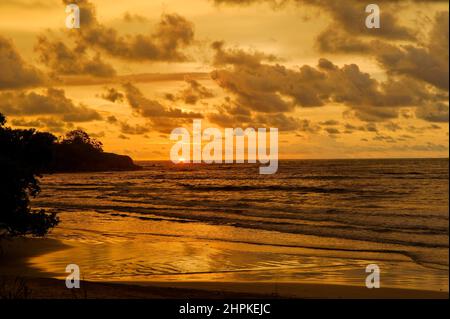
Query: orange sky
135,70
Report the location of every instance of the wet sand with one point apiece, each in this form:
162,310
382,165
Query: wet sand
14,263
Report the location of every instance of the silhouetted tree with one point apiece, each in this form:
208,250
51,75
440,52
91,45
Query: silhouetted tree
82,139
24,155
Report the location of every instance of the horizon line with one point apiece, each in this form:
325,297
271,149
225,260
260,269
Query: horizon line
306,159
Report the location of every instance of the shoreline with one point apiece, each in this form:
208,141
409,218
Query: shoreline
49,288
15,271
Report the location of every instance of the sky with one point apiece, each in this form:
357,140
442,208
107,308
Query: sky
137,69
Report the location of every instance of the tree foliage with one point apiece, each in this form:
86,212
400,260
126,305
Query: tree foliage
82,139
24,155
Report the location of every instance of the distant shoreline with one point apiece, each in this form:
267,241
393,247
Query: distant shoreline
319,159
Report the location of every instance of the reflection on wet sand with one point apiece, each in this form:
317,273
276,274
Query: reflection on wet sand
111,250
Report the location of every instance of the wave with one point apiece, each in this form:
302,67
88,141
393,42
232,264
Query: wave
239,188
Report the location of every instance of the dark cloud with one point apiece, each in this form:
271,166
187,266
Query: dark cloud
428,63
52,102
15,73
126,128
238,56
161,117
112,119
349,15
113,95
393,127
232,115
335,40
434,113
405,137
129,18
195,92
63,60
332,130
423,60
371,127
384,138
279,121
150,108
192,94
123,137
168,41
47,124
428,147
273,88
30,4
100,134
166,125
254,84
329,123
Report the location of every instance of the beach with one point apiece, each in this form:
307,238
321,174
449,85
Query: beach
16,270
308,232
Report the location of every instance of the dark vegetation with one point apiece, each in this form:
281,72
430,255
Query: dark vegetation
27,154
78,152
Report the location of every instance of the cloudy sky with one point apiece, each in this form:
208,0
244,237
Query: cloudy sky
137,69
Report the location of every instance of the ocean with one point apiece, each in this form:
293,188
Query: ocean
318,221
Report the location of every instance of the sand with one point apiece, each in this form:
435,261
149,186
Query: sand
19,280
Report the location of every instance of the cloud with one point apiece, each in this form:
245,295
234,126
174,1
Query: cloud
113,95
332,130
423,60
194,92
428,147
393,127
63,60
273,88
434,113
166,125
280,121
112,119
161,117
232,115
52,102
329,123
150,108
47,124
348,15
335,40
428,63
126,128
129,18
30,4
123,137
238,56
384,138
15,73
168,41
